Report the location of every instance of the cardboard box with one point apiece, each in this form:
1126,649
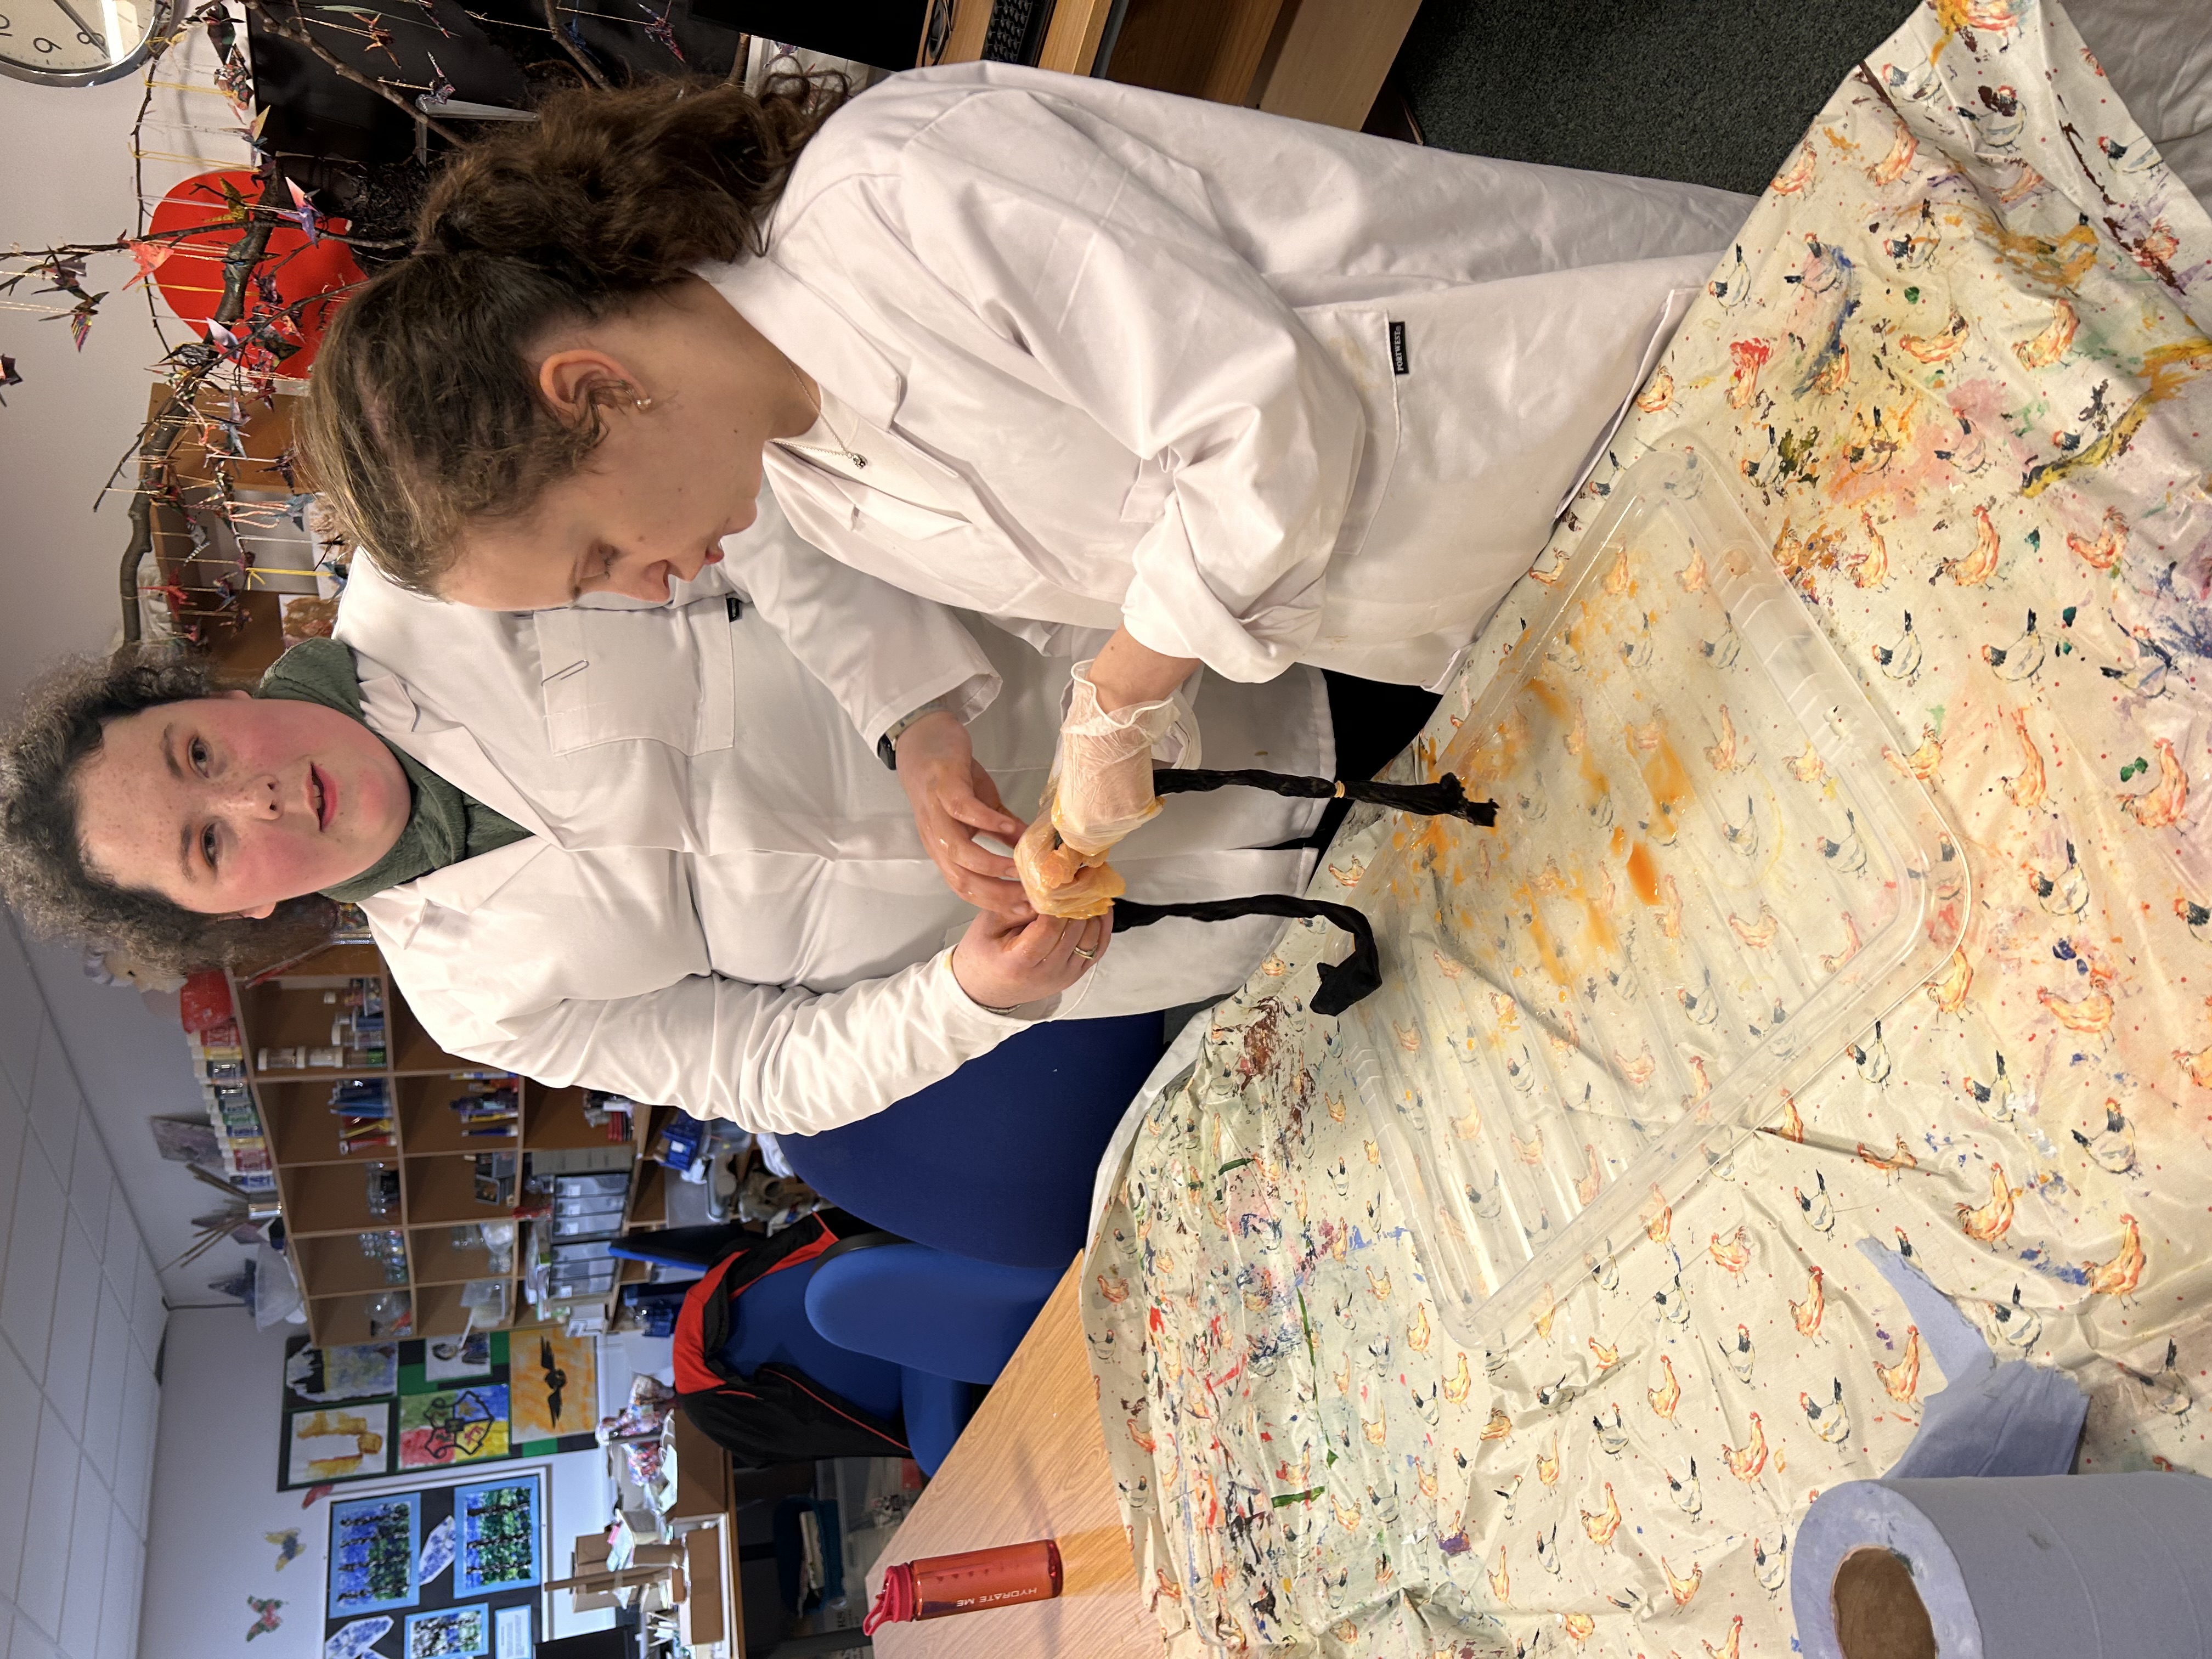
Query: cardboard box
703,1620
703,1474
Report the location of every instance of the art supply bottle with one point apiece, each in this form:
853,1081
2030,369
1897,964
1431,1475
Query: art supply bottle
941,1584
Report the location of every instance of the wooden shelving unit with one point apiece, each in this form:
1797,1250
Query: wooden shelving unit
324,1189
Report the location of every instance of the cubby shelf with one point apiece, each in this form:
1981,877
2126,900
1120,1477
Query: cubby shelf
334,1321
438,1259
324,1181
333,1264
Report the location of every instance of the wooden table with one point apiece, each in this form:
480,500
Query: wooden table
1031,1464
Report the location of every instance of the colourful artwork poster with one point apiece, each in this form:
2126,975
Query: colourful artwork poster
553,1381
337,1443
357,1640
374,1542
456,1404
496,1544
454,1425
450,1633
437,1553
458,1358
365,1370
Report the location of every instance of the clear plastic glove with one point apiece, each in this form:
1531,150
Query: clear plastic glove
1102,773
1058,880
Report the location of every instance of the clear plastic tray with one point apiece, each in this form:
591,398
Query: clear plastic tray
1706,880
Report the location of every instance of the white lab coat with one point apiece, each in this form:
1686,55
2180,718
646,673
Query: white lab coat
1263,390
723,905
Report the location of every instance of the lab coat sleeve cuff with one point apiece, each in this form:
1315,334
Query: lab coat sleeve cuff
999,1024
1170,608
963,697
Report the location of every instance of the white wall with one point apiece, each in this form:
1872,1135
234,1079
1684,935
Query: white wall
215,1499
131,1060
81,1327
82,1066
81,1308
214,1495
69,180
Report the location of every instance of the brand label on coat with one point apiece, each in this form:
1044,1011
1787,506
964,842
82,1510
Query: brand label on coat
1397,348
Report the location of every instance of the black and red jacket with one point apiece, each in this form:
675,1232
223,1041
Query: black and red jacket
779,1415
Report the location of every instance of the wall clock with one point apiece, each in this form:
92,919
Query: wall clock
76,43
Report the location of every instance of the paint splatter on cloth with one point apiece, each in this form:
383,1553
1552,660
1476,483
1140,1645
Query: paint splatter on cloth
1959,363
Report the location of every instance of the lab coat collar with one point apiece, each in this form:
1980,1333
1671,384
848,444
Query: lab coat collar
452,752
909,520
813,333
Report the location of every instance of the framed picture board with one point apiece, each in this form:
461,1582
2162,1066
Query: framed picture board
378,1409
376,1544
337,1443
449,1634
448,1571
496,1533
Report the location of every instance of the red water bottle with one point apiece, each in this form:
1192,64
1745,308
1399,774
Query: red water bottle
941,1584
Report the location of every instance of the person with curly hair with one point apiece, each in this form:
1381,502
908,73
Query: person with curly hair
609,875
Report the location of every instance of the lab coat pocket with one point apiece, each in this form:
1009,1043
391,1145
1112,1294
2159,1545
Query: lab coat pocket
668,676
1358,338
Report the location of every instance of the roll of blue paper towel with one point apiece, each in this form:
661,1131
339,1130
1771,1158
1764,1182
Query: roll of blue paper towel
2082,1566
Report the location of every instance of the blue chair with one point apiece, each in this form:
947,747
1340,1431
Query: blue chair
944,1329
996,1162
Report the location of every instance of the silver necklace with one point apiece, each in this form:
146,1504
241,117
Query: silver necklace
821,414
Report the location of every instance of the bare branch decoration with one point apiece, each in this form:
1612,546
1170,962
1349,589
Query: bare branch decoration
297,33
583,59
246,252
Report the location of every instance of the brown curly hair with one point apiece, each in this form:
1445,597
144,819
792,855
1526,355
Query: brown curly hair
423,413
43,872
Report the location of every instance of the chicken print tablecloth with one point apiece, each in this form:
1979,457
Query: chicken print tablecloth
1953,365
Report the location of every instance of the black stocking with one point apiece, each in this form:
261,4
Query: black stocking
1342,983
1360,974
1443,798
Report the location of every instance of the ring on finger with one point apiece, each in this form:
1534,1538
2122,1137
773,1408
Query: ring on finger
1088,955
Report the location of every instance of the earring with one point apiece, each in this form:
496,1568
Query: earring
641,403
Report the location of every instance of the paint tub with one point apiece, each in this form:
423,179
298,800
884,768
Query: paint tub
1713,869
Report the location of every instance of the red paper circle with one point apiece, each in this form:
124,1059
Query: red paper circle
190,278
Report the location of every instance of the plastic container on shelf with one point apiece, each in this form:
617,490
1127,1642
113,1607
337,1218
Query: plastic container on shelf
1710,874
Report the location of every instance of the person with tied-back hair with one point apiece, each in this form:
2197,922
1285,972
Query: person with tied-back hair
645,849
1154,384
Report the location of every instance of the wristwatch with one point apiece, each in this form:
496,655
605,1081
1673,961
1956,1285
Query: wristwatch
887,744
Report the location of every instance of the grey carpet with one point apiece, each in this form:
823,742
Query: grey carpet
1712,92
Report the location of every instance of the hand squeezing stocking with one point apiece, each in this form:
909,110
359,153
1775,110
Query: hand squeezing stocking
1100,790
1065,879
